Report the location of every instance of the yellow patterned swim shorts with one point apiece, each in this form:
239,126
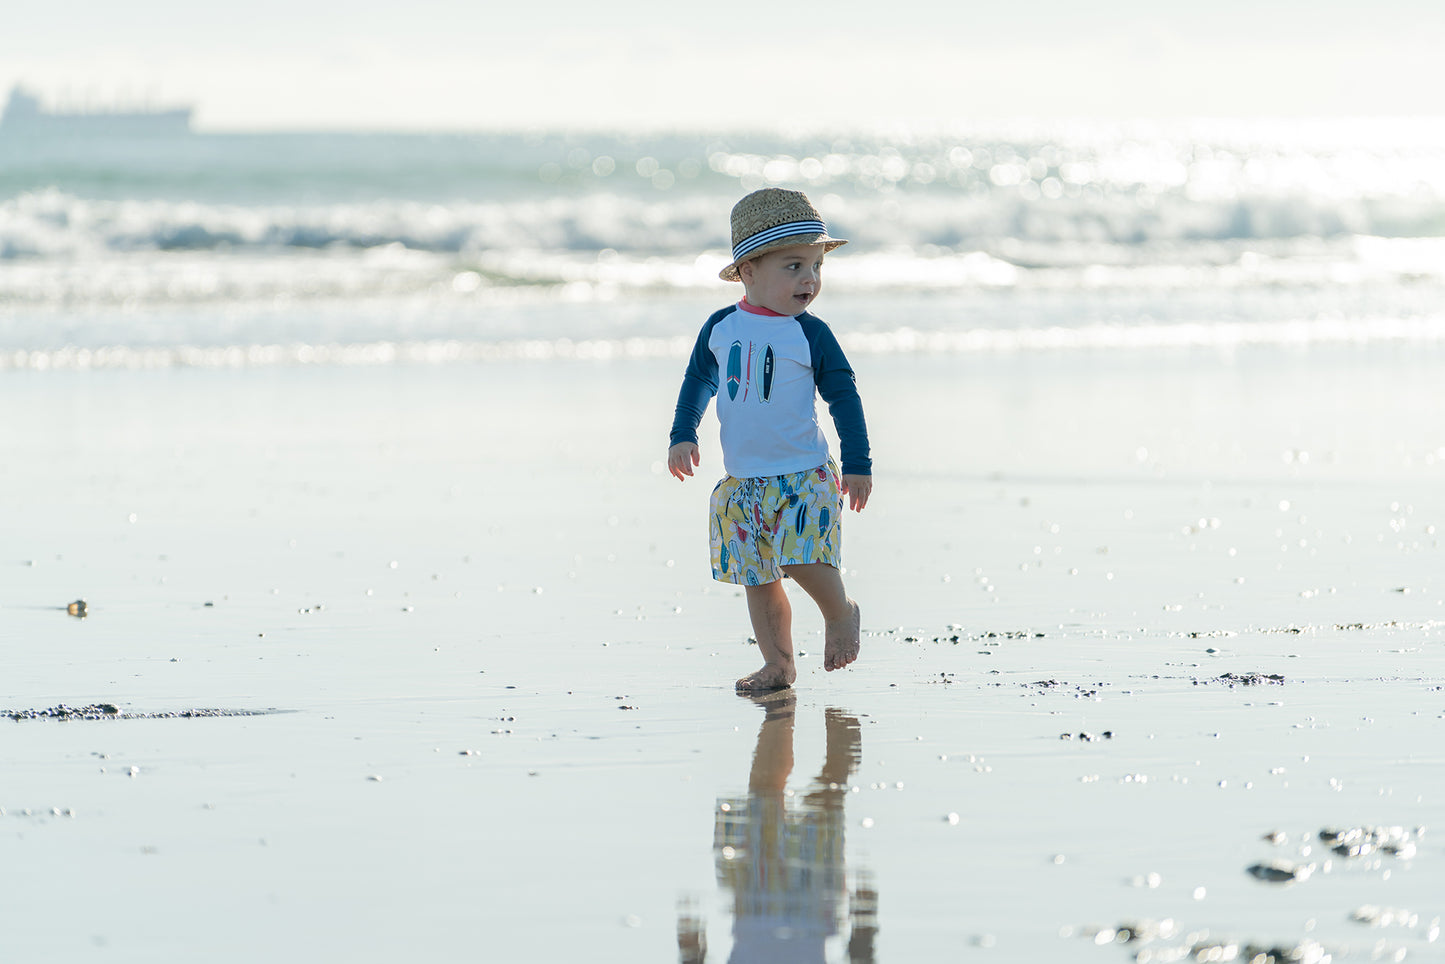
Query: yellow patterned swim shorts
760,525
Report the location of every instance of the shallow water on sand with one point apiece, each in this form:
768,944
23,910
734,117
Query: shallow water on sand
512,730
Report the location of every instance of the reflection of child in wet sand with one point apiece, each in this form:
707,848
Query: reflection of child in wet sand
783,858
778,511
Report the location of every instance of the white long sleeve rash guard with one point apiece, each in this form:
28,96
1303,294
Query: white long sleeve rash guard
773,368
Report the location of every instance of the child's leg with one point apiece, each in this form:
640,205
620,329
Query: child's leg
772,617
840,614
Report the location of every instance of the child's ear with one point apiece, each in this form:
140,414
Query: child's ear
745,272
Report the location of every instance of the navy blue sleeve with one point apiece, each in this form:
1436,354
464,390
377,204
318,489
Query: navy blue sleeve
699,385
837,386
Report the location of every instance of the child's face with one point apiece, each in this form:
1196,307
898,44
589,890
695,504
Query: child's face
785,280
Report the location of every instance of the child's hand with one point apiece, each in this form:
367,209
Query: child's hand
681,458
857,488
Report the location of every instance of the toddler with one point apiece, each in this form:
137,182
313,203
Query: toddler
778,511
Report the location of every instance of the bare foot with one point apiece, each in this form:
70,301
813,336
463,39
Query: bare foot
842,642
770,677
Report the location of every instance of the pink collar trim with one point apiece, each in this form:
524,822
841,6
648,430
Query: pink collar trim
753,309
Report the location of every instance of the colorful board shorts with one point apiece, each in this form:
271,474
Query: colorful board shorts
760,525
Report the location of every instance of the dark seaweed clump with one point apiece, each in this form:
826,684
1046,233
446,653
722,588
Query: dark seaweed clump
109,711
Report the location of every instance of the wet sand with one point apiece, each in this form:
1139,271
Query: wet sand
510,732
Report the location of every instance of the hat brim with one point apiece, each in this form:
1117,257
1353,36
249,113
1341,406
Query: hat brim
730,273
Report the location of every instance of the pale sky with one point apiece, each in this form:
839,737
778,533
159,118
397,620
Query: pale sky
451,65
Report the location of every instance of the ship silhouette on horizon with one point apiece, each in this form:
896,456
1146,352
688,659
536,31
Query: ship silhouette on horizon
25,115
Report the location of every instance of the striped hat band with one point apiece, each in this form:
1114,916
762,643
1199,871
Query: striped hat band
769,235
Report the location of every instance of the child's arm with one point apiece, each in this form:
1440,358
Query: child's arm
699,385
833,377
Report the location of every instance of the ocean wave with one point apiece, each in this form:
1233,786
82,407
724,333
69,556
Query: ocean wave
340,250
1226,336
241,279
53,225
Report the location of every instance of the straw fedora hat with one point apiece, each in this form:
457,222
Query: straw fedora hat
774,218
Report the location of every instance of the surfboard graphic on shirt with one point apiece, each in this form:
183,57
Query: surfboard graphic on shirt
735,369
765,374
